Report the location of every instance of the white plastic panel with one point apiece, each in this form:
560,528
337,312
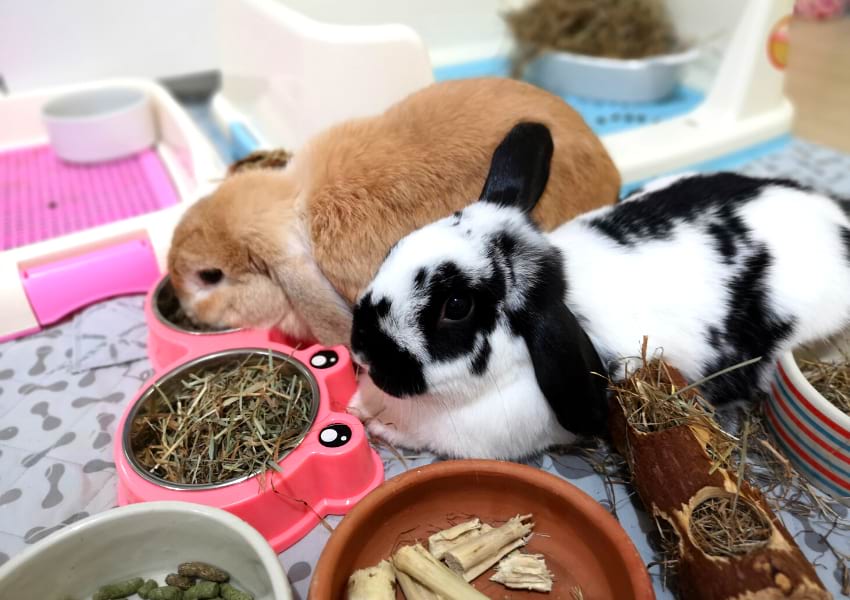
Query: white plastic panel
56,42
294,76
745,106
453,31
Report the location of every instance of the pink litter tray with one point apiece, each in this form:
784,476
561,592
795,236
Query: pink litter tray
75,233
328,472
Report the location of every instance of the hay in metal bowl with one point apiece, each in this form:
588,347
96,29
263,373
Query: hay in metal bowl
221,419
625,29
728,525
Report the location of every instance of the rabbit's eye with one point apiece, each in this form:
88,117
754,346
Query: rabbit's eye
210,276
457,307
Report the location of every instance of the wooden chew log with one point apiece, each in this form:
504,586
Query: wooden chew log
427,570
372,583
672,472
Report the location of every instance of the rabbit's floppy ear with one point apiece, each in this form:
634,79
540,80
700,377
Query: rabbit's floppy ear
315,300
567,367
519,168
311,296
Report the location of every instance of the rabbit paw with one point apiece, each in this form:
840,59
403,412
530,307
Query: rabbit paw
376,414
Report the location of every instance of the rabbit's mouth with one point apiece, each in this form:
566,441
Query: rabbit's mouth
393,370
392,384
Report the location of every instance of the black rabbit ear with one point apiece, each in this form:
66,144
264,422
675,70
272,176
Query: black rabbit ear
519,168
568,369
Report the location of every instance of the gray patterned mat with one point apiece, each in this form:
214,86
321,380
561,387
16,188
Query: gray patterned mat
63,390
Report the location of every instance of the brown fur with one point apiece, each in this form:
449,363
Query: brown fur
243,229
428,157
298,245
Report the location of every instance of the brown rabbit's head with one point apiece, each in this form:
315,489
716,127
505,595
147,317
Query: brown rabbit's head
239,258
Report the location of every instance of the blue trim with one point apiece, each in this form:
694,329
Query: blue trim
602,116
726,162
610,117
495,66
606,117
807,447
807,470
241,141
796,409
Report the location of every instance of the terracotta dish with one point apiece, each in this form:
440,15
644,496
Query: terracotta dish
583,544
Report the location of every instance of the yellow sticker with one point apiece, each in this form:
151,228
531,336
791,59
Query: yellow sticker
777,43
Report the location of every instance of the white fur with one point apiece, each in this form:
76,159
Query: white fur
619,297
443,240
670,290
800,230
501,415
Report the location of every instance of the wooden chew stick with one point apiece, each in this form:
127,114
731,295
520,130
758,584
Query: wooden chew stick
439,548
453,532
372,583
481,548
413,590
476,570
443,541
419,564
524,572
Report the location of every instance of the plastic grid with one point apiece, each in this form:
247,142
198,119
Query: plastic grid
606,117
603,116
42,197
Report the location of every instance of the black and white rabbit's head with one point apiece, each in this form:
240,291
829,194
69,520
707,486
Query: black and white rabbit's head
461,303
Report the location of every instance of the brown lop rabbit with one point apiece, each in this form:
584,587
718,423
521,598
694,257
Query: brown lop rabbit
293,247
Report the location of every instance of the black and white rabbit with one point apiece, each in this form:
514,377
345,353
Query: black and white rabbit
481,334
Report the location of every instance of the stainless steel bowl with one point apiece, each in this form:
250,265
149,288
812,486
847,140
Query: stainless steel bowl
634,80
165,302
166,383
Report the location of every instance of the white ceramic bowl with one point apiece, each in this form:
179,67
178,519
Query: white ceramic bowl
143,540
812,432
635,80
100,125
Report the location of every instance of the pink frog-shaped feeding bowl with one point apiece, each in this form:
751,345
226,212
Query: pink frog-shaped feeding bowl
171,335
328,469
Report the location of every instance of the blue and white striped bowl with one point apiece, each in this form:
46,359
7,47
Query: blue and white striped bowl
812,432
